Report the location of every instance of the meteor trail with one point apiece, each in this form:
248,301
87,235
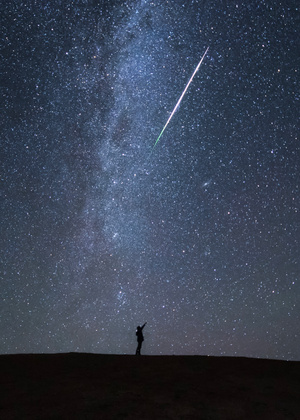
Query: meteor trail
180,99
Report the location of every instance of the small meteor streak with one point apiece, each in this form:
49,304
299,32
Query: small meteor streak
180,99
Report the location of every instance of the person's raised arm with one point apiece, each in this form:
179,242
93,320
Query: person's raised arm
143,325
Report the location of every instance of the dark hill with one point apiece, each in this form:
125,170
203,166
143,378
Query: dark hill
90,386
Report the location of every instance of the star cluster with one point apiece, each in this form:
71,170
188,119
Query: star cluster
100,232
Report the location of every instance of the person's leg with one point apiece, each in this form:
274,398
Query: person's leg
138,349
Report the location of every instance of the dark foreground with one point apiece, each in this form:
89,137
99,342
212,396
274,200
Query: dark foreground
89,386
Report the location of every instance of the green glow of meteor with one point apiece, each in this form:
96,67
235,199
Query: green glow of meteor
159,136
180,99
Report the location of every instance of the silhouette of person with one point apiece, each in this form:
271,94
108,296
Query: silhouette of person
140,338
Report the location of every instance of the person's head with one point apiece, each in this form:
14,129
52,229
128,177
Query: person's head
138,327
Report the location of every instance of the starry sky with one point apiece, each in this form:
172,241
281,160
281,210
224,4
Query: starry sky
99,231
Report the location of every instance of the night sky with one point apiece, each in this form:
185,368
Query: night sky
99,231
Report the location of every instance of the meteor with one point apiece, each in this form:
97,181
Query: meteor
180,99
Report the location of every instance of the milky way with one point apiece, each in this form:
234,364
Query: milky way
200,238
